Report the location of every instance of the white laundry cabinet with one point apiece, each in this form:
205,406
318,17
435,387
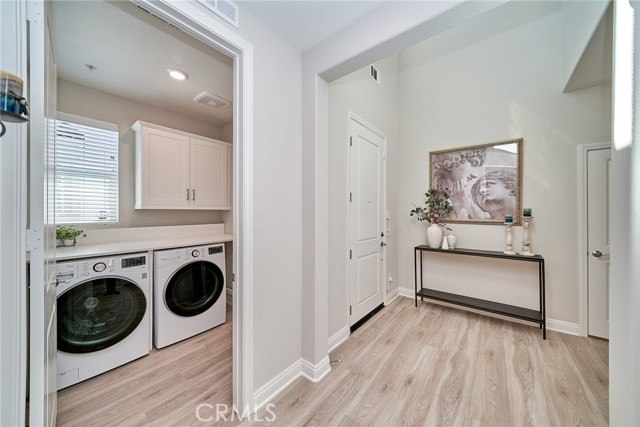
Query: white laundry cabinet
179,170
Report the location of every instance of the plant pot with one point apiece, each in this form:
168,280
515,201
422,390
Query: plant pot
434,235
65,242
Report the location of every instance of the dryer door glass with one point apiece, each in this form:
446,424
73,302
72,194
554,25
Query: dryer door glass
194,288
98,313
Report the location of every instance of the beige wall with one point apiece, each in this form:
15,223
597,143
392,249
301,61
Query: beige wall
505,86
84,101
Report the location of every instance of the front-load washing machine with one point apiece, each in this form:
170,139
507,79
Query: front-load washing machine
104,315
189,292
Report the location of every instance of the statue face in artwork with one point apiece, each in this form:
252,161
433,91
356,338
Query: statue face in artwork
495,193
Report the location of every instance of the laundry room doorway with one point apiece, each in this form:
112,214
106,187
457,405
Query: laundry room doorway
240,275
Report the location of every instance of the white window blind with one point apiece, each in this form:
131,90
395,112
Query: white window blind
86,174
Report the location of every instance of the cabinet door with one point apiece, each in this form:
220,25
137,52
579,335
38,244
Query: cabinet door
165,169
210,173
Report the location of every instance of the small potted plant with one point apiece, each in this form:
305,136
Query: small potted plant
436,208
67,235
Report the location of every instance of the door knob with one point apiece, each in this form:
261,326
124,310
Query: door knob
383,244
596,253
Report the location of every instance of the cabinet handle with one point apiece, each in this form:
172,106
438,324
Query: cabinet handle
187,194
193,194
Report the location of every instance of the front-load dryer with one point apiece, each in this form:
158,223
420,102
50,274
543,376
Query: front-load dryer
189,292
104,315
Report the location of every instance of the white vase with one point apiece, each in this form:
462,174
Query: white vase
451,239
434,235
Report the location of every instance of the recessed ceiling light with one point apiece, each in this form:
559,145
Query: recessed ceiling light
177,74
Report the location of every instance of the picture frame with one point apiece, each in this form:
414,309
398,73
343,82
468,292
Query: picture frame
484,181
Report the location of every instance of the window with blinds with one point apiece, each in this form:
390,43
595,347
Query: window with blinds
86,171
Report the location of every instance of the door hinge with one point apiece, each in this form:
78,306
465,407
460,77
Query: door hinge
350,197
233,277
35,12
350,254
33,241
350,141
350,311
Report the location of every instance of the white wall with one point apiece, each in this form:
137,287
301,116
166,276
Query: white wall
277,198
382,32
359,94
502,87
624,344
580,20
87,102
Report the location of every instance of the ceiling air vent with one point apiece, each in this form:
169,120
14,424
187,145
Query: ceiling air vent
225,9
212,101
373,73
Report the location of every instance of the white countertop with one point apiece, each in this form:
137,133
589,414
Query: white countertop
128,240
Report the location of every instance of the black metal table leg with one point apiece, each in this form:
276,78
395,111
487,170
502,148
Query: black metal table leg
415,275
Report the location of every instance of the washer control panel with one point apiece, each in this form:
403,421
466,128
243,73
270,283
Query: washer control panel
134,262
216,249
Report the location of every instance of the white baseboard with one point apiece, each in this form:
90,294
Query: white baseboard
300,368
406,292
564,327
315,372
277,384
552,324
338,338
392,296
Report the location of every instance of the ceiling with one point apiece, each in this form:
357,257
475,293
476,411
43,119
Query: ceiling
131,51
305,23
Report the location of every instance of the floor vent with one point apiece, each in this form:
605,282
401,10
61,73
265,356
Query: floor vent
373,73
212,101
225,9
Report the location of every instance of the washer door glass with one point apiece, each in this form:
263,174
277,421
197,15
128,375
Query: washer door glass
98,313
194,288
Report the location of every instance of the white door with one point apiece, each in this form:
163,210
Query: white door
598,164
41,233
366,220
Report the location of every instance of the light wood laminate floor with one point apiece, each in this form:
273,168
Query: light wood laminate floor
430,365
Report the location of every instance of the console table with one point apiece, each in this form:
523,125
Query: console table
536,316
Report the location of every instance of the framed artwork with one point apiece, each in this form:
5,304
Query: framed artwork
484,182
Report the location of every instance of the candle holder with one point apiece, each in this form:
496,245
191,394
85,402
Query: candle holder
526,237
509,250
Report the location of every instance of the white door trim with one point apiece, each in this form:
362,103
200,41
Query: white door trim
13,225
196,20
583,248
353,116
